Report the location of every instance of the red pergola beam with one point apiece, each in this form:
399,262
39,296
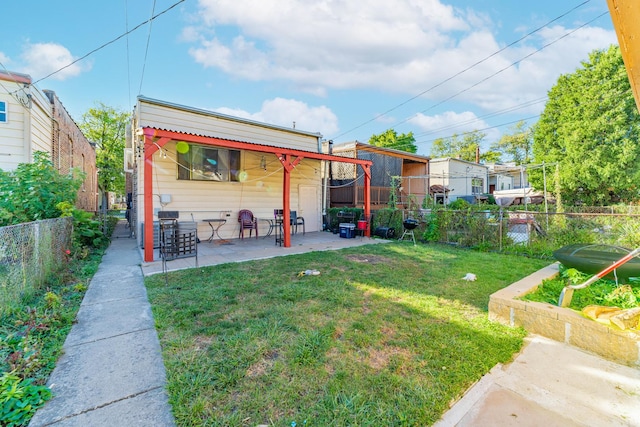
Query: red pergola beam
154,139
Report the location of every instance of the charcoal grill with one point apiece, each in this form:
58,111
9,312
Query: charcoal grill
409,225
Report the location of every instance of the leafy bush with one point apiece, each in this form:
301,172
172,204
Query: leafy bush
19,399
33,191
459,204
87,231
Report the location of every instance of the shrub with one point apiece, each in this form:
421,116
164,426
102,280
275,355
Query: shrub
33,191
19,399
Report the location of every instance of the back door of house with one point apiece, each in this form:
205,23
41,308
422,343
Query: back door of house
308,204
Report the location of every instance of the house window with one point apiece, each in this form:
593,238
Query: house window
3,112
201,163
477,185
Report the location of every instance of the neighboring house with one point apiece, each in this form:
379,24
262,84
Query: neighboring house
347,187
507,177
33,120
509,185
457,179
207,165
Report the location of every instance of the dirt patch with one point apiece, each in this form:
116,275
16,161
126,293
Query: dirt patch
371,259
202,342
379,358
262,366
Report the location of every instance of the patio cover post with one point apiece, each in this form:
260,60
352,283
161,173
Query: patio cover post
288,166
367,195
150,147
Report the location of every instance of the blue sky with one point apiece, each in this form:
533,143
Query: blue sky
342,68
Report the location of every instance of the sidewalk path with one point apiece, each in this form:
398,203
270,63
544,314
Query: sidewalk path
111,372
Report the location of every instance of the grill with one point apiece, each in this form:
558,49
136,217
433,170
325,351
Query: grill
409,225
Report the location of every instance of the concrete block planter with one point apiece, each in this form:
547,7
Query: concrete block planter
562,324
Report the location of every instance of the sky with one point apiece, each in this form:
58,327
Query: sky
345,69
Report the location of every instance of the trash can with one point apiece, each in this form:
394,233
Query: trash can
347,231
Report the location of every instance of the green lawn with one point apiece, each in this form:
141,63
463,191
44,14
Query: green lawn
385,335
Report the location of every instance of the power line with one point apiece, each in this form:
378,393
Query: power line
126,27
146,51
463,71
496,73
505,68
486,116
110,42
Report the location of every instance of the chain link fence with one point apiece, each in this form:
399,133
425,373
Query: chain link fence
534,233
29,253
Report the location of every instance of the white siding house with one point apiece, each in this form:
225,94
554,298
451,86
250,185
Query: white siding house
207,165
33,120
463,179
25,120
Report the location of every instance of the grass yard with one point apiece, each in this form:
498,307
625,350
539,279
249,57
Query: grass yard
387,334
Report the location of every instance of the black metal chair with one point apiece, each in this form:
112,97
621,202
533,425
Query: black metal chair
296,221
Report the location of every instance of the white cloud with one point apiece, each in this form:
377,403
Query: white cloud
4,58
284,112
402,47
447,124
41,59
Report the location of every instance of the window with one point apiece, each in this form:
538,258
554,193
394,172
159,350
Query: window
200,163
477,185
3,112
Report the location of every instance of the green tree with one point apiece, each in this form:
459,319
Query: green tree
391,139
105,126
34,190
464,147
517,145
591,127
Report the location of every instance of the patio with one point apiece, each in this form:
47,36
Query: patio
220,251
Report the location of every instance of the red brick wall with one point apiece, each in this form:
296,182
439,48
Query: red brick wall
71,149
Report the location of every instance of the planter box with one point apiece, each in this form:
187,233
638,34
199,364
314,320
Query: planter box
562,324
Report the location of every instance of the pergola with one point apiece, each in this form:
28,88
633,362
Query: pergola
155,139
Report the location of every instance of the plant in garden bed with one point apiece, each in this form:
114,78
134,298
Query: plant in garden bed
385,335
32,332
603,292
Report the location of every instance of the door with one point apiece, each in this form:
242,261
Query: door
308,206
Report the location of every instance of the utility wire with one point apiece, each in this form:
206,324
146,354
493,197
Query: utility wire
505,68
126,27
464,70
110,42
146,51
495,74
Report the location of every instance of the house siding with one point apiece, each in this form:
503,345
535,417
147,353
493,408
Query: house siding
72,150
28,128
260,192
202,122
457,176
36,121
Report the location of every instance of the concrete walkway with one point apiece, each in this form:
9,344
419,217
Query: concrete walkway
111,372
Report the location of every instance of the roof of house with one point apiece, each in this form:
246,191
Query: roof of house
210,113
10,76
450,159
361,146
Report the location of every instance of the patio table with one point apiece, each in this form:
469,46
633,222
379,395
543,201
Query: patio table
219,223
272,225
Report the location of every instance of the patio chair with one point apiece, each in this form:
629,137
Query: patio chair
296,221
247,222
